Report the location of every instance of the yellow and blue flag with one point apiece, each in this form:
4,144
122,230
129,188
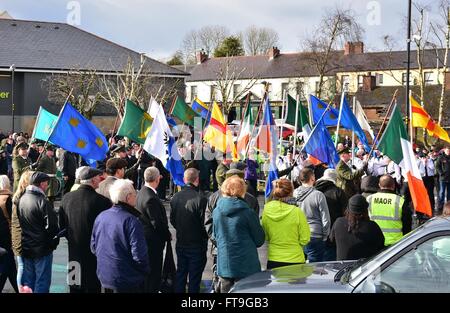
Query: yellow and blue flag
200,108
73,132
44,124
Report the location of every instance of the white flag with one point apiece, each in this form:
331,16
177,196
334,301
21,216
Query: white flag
362,119
157,140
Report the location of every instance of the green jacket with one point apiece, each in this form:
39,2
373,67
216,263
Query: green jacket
48,165
347,179
220,173
19,166
287,232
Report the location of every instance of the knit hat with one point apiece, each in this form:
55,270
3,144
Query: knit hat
329,174
358,204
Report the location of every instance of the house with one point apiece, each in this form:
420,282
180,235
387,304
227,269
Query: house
364,73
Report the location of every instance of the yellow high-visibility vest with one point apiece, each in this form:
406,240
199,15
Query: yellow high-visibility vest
385,209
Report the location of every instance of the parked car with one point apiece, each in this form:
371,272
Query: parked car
420,262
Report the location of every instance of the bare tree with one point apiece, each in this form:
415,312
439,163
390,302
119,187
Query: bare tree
136,83
81,85
336,27
441,32
207,38
258,40
229,75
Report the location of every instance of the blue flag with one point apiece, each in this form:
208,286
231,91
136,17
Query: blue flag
348,115
201,108
73,132
44,124
320,145
331,117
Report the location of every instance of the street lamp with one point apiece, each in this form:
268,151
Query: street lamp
12,68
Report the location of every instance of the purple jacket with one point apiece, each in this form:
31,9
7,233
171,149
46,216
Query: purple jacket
250,171
119,244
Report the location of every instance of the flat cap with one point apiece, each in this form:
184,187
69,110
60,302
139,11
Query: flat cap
233,172
116,163
38,177
87,172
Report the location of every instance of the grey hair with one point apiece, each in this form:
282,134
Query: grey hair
151,174
120,189
5,184
190,175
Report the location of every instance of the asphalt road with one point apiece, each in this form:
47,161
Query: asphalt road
60,259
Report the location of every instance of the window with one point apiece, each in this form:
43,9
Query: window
428,78
404,79
360,81
300,89
212,94
193,92
236,89
345,80
317,87
284,89
380,79
423,269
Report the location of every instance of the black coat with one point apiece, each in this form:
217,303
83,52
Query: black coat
39,224
364,243
153,217
443,168
336,198
77,215
187,217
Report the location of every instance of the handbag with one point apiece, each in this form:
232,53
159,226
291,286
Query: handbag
169,271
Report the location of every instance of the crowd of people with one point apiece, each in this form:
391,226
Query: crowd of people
117,229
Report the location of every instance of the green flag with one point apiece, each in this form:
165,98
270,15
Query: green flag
302,119
182,111
135,124
390,141
44,124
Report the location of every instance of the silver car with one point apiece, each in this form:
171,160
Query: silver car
420,262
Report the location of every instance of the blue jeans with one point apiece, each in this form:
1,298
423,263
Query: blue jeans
190,262
315,250
444,187
19,270
37,273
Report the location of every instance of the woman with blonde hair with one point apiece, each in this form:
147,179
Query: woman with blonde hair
285,226
16,230
8,268
238,234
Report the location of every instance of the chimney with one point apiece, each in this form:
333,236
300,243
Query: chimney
201,56
356,47
273,53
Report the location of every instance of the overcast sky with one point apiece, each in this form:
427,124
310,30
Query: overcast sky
157,27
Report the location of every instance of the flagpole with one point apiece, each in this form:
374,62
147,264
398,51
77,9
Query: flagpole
294,153
410,117
173,104
318,122
394,98
353,130
282,119
245,113
308,100
266,92
339,117
54,126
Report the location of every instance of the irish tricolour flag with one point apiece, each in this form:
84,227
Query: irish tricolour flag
395,144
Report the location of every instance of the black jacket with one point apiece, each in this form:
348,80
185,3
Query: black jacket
77,215
153,217
39,225
443,168
364,243
187,217
212,203
336,198
68,163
